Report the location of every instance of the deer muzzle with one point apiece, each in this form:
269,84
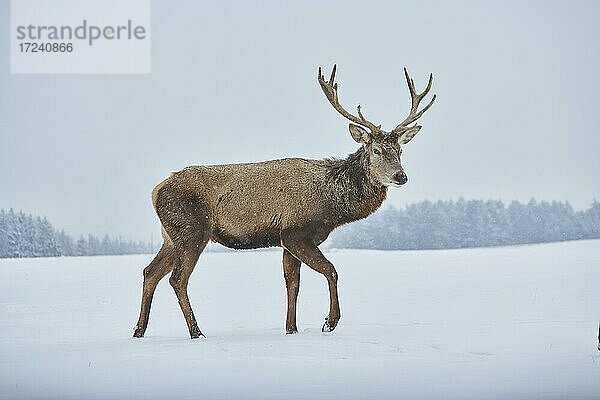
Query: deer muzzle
399,178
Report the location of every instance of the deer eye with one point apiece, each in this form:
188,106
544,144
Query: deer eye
377,152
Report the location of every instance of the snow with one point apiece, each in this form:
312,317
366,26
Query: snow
512,322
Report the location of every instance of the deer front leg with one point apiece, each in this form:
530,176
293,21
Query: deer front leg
305,250
291,273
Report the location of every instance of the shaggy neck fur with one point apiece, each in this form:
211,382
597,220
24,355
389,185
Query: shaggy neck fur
353,193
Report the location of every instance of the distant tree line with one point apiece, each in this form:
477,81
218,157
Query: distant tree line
24,235
424,225
473,223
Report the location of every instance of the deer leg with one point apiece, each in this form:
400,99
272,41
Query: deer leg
306,251
184,266
291,272
160,266
185,217
179,279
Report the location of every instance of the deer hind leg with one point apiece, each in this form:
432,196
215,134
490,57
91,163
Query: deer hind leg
291,272
185,218
184,266
160,266
305,250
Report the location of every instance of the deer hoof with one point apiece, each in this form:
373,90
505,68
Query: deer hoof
291,331
329,325
195,333
138,333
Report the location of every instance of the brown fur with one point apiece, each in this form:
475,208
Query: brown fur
293,203
235,205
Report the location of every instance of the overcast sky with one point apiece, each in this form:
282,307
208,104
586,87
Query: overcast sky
516,115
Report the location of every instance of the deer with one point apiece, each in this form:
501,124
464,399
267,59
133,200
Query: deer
291,203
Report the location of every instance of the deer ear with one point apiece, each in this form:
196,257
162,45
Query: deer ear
408,134
359,134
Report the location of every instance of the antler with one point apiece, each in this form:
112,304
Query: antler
330,89
416,99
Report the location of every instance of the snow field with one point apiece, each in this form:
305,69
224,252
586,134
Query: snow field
507,322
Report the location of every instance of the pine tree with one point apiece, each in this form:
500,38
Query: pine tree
81,248
4,249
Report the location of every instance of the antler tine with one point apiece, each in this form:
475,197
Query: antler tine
411,84
332,77
360,113
364,119
330,90
416,98
429,83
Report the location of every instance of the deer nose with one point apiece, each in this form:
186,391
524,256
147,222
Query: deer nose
400,178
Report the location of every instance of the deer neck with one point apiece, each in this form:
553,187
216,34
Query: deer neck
353,193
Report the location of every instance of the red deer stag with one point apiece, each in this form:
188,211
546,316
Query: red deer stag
293,203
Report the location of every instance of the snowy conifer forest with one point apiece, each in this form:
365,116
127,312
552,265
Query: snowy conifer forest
469,223
25,235
423,225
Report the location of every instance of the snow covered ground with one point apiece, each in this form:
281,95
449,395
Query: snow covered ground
513,322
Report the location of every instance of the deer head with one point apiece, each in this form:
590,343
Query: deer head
383,149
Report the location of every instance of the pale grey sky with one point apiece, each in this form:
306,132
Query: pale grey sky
516,115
